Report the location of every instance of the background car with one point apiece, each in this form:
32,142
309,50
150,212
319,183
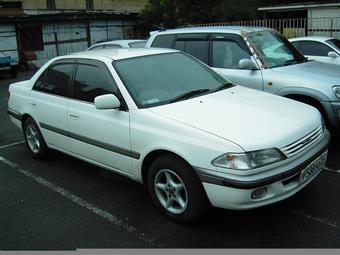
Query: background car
118,44
319,48
8,65
260,58
184,131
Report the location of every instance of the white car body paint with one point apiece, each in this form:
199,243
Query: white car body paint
198,130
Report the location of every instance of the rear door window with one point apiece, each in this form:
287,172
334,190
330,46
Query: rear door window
196,45
163,41
55,80
228,50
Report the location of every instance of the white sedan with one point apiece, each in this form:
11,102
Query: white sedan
319,48
116,44
175,125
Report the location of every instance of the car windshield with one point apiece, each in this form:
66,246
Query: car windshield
165,78
335,43
274,50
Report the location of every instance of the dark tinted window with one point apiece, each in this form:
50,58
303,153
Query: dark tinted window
56,81
91,81
227,53
335,43
163,41
314,48
112,46
194,44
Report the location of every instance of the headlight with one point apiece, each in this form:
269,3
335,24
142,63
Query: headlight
248,160
13,63
337,91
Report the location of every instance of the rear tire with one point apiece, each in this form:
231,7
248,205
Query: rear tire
176,190
34,139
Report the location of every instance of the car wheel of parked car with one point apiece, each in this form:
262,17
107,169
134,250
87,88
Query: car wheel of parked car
34,139
176,189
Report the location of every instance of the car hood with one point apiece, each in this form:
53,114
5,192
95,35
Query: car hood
312,71
254,120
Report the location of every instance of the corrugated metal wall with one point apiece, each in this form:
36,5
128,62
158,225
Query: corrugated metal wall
8,41
64,38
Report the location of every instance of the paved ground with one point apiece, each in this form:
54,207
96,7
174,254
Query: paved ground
65,204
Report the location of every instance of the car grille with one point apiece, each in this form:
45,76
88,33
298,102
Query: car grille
4,64
301,144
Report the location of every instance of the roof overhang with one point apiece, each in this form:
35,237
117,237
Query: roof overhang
298,7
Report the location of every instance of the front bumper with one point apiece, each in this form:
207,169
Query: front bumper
8,69
232,193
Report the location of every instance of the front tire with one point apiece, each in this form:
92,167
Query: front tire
34,139
176,189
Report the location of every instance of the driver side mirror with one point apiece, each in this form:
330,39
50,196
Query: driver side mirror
246,63
333,54
106,102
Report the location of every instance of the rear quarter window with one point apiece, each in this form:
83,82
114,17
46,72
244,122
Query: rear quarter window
163,41
55,80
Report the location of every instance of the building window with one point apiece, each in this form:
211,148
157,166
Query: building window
50,4
89,4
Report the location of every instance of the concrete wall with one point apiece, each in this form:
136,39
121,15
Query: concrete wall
323,20
70,5
34,4
324,13
120,5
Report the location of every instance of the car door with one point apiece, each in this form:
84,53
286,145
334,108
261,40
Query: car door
316,51
49,99
226,52
101,136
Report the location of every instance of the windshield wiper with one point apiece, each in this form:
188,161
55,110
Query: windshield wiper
290,62
222,87
189,94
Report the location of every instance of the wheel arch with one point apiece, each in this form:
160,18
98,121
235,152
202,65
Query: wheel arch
153,155
307,99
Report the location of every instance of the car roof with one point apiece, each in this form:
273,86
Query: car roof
122,43
211,29
311,38
120,53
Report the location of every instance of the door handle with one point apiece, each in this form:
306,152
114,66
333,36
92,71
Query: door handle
33,104
74,116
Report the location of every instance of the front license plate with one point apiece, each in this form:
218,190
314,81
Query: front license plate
314,167
5,68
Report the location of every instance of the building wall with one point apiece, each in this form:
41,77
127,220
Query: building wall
8,41
324,13
323,20
120,5
111,5
70,5
34,4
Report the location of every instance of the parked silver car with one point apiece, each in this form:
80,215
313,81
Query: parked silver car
260,58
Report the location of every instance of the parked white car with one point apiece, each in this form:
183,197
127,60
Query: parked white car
177,126
260,58
118,44
319,48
